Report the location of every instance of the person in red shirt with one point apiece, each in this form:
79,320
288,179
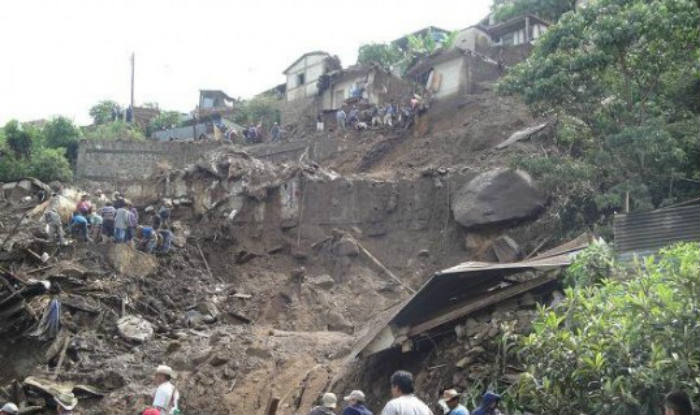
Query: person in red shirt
84,206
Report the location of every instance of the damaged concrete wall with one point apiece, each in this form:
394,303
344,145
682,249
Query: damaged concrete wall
125,160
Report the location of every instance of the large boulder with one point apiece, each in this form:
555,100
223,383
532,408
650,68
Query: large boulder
135,328
128,261
496,196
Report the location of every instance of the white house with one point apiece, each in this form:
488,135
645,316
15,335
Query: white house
303,74
371,83
519,30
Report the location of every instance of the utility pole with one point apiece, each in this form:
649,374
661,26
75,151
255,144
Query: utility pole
132,80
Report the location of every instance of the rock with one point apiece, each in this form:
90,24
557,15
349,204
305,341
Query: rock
527,300
336,322
472,327
298,274
506,249
218,360
323,281
259,352
424,253
496,196
346,247
135,328
128,261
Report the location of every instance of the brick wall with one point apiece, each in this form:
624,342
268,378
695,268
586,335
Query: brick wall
127,160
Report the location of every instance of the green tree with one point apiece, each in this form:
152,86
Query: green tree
17,139
547,9
48,164
103,112
60,132
260,108
165,120
617,76
384,54
617,346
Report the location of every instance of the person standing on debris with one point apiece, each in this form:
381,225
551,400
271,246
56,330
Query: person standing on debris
132,221
84,206
107,212
119,200
319,122
353,116
340,117
166,396
55,227
328,403
165,241
489,404
65,403
404,402
95,221
80,223
9,409
121,223
356,404
677,403
164,212
388,114
275,133
451,398
376,118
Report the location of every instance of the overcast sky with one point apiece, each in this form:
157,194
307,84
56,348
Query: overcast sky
61,57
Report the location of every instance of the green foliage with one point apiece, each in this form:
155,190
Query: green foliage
385,55
17,139
61,133
165,120
12,168
115,130
592,265
617,346
549,10
261,108
48,164
620,79
390,56
103,111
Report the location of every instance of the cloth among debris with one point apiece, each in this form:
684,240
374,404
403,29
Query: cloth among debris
50,323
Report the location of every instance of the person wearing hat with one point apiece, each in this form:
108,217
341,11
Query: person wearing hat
65,402
166,397
328,403
356,404
9,409
451,398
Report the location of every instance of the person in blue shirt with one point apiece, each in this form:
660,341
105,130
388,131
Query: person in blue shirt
146,238
81,223
356,404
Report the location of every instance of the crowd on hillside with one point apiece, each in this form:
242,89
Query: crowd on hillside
391,115
111,220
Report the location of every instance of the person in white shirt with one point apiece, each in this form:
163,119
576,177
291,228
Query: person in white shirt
404,402
166,396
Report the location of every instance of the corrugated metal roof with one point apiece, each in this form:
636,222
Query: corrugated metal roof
645,233
435,303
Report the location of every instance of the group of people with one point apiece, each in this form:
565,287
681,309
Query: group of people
256,134
404,402
390,115
116,220
165,398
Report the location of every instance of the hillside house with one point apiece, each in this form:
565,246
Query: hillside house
303,74
214,98
520,30
453,71
361,81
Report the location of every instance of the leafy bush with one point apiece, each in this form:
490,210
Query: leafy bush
17,139
617,346
165,120
48,164
115,130
62,133
259,108
104,111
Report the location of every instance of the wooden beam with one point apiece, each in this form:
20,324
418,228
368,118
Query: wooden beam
479,303
272,406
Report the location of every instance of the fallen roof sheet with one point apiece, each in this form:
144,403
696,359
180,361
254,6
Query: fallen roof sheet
645,233
521,135
457,291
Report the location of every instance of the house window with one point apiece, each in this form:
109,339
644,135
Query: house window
301,79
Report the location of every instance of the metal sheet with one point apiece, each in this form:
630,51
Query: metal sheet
647,232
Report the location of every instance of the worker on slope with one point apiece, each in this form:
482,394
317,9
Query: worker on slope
404,402
54,225
107,213
80,222
166,396
121,223
84,206
451,398
328,403
275,133
340,118
677,403
489,404
65,403
9,409
356,404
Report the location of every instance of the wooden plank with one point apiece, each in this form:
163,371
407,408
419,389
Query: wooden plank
382,267
272,406
479,303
